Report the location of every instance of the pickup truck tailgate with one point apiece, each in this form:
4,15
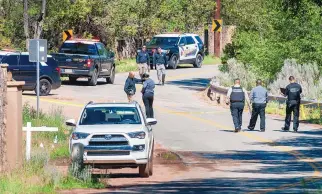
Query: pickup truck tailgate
71,61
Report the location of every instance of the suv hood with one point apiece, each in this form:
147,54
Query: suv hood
118,128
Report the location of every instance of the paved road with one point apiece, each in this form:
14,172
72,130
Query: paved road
274,161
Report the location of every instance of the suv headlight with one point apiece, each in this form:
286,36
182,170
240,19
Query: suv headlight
77,135
139,135
165,51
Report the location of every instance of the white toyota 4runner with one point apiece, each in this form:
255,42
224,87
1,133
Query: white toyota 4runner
113,135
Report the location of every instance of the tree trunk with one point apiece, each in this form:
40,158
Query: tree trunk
38,25
26,22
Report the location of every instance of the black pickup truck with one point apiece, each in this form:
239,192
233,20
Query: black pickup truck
86,58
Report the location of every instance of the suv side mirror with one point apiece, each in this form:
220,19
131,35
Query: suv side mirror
71,122
112,54
151,121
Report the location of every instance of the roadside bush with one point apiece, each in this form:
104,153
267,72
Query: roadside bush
308,75
234,69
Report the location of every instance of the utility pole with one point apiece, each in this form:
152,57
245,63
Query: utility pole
217,34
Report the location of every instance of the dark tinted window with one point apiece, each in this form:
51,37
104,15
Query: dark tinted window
190,40
170,41
51,62
110,116
24,60
199,39
11,60
182,40
78,48
101,50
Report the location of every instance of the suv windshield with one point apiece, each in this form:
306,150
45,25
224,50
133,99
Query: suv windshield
110,115
78,48
171,41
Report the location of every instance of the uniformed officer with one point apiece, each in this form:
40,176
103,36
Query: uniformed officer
293,92
148,95
258,98
160,62
129,86
236,96
143,61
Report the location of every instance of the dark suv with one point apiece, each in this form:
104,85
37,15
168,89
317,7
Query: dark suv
23,70
180,49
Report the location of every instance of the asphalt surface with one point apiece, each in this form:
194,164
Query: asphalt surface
270,162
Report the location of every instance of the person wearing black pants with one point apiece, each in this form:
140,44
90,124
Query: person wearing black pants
148,95
237,95
293,92
258,97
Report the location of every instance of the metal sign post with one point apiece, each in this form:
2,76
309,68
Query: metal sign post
38,53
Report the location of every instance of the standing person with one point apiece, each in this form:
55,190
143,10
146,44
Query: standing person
129,86
160,62
148,95
258,98
236,96
143,60
293,92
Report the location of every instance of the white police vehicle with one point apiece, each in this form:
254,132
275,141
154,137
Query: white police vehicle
113,135
180,49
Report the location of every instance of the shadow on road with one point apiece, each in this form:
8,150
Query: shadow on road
192,84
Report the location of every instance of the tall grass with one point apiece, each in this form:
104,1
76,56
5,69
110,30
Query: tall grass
38,175
126,65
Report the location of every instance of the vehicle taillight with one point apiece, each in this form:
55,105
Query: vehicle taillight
89,63
57,69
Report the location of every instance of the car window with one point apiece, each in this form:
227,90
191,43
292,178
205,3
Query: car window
110,116
24,61
199,39
10,60
51,62
78,48
190,40
182,41
169,41
101,50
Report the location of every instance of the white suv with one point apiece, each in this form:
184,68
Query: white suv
113,135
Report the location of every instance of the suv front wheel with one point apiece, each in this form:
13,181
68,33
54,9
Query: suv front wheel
198,62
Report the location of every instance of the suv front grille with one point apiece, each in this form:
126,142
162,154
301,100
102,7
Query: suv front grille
108,140
107,143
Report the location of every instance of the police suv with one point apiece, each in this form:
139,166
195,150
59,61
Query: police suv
180,49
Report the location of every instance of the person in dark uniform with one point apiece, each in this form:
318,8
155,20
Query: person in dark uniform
236,96
143,61
148,95
258,98
160,62
293,92
129,86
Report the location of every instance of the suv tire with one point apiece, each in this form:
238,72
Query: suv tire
144,170
173,63
45,87
72,79
151,161
110,80
198,61
93,79
77,156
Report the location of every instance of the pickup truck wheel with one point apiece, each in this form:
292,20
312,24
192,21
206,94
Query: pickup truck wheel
93,79
44,87
151,161
72,79
110,80
77,156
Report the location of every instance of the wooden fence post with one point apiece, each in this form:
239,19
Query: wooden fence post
3,104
